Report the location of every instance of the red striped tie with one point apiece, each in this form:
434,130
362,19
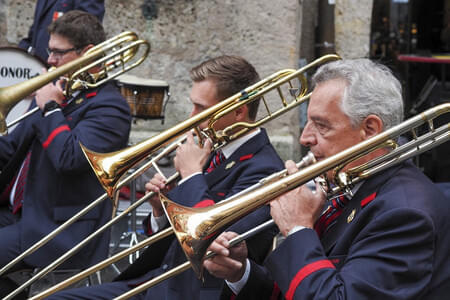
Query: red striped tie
215,161
20,187
328,218
4,197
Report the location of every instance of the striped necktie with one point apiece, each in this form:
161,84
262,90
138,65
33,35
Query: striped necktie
5,195
215,161
20,186
329,217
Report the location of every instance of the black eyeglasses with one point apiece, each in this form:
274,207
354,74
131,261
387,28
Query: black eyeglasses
59,52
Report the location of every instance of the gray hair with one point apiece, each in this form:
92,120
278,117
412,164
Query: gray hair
371,88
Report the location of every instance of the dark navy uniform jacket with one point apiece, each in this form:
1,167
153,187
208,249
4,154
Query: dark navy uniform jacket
391,241
60,181
46,12
254,160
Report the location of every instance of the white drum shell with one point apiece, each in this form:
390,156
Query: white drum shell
16,65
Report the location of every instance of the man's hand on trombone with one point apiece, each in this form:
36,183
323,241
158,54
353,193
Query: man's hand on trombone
229,263
50,91
157,185
191,157
298,207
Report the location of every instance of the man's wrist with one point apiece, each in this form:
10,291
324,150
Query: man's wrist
188,177
186,173
50,106
295,229
157,223
158,212
237,286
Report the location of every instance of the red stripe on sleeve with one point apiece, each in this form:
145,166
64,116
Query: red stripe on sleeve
245,157
90,95
368,199
53,134
204,203
304,272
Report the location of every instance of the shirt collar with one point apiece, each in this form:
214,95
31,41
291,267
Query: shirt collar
229,148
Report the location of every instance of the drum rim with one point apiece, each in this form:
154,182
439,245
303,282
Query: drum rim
44,64
125,79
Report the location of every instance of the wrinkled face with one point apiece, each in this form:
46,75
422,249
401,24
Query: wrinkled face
328,130
203,96
58,45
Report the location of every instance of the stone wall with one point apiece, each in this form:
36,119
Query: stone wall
272,35
352,32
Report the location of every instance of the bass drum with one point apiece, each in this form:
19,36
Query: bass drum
17,65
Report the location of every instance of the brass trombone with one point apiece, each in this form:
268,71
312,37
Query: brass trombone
210,221
196,228
114,57
307,160
110,167
123,48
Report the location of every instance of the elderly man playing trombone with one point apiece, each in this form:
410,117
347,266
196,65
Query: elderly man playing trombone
385,238
205,180
45,177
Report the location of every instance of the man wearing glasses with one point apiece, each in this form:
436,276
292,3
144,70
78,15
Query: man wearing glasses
45,178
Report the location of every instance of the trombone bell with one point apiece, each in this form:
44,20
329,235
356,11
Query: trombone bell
195,230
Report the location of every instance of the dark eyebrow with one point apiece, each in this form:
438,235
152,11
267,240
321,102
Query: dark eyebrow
320,120
197,104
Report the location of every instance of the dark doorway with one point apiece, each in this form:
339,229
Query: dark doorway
418,30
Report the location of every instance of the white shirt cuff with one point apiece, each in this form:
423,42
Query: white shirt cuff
237,286
295,229
157,222
192,175
160,222
51,112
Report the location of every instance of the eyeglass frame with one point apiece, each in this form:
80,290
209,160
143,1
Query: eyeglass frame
60,53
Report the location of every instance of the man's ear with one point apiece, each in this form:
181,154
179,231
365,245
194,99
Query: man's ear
371,126
241,113
86,48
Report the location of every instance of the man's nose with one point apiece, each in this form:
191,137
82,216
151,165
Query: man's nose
51,60
307,138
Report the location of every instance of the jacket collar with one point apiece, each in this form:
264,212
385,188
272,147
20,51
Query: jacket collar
245,151
78,100
368,190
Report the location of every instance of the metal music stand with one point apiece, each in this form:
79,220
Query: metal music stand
147,99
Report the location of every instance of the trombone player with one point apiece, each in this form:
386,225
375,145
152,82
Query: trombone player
387,239
45,177
205,179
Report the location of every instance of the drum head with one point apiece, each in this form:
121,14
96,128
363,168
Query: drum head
16,65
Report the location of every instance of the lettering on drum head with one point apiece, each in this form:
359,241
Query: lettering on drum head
16,72
17,66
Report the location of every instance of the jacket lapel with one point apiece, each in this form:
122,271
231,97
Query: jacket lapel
78,101
252,146
352,209
13,166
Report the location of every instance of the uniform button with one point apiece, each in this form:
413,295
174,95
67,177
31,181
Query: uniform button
165,266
